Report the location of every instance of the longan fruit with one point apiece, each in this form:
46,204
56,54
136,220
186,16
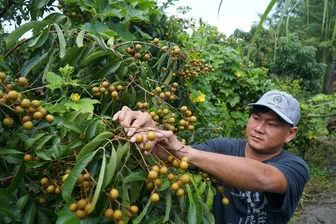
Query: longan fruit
163,170
44,180
22,81
50,118
171,177
176,163
81,203
73,207
184,165
2,76
8,122
158,181
152,175
156,40
13,95
184,108
180,192
108,213
117,214
185,178
42,201
81,213
37,115
150,186
225,201
139,138
95,89
65,177
154,198
134,209
87,176
114,193
138,47
151,135
148,146
50,189
156,168
28,158
35,103
174,186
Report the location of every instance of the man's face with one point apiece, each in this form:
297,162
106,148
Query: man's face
266,132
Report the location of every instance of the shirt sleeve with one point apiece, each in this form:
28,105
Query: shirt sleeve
297,174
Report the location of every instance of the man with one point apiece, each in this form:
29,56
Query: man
265,181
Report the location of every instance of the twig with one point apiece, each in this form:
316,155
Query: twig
318,116
17,46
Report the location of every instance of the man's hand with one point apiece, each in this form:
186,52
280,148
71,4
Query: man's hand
140,123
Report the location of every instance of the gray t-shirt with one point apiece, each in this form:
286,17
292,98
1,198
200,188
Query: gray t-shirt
247,207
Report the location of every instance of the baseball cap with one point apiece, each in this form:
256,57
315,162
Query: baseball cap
282,103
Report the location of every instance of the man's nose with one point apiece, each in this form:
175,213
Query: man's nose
260,127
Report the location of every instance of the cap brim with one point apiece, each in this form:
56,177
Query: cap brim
283,116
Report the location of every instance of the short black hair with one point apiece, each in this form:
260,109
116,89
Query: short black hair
258,109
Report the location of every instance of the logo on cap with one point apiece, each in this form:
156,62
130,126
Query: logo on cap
277,99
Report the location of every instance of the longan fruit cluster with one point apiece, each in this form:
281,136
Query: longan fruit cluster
81,207
187,121
105,88
135,51
27,109
168,93
194,68
225,200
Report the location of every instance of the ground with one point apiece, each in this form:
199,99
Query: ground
319,208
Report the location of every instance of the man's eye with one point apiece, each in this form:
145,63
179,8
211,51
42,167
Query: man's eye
272,125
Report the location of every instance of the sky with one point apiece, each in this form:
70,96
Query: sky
233,13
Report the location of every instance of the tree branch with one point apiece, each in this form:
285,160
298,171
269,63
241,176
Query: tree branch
318,116
17,46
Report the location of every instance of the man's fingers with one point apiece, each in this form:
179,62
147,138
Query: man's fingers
121,114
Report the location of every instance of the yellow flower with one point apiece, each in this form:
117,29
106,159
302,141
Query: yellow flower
199,98
238,75
75,97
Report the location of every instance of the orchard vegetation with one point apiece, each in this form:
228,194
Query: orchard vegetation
63,159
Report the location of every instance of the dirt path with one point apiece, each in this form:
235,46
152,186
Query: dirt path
320,209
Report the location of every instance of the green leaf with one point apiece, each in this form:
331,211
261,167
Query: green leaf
40,4
56,150
192,219
137,176
70,182
80,38
210,196
42,142
12,212
40,40
30,215
134,14
72,126
61,40
66,216
22,202
43,218
14,36
83,105
125,202
111,167
142,214
96,55
10,152
121,151
109,69
168,206
94,144
55,81
200,190
199,211
99,184
32,63
143,34
90,132
207,213
17,179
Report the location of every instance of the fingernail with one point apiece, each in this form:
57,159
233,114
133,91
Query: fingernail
132,139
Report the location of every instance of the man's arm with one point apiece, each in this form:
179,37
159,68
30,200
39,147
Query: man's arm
239,172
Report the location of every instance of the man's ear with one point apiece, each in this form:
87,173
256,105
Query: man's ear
291,134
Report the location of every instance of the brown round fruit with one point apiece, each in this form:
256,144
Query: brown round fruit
174,186
148,146
137,56
185,178
87,207
108,213
43,111
25,103
151,135
87,176
138,47
184,165
37,115
13,95
171,177
44,180
65,177
180,192
147,57
156,40
134,209
95,89
163,170
51,189
114,193
22,81
28,158
81,213
35,103
50,118
150,185
2,76
154,198
153,175
73,207
8,122
139,138
81,203
225,201
42,201
117,214
158,182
